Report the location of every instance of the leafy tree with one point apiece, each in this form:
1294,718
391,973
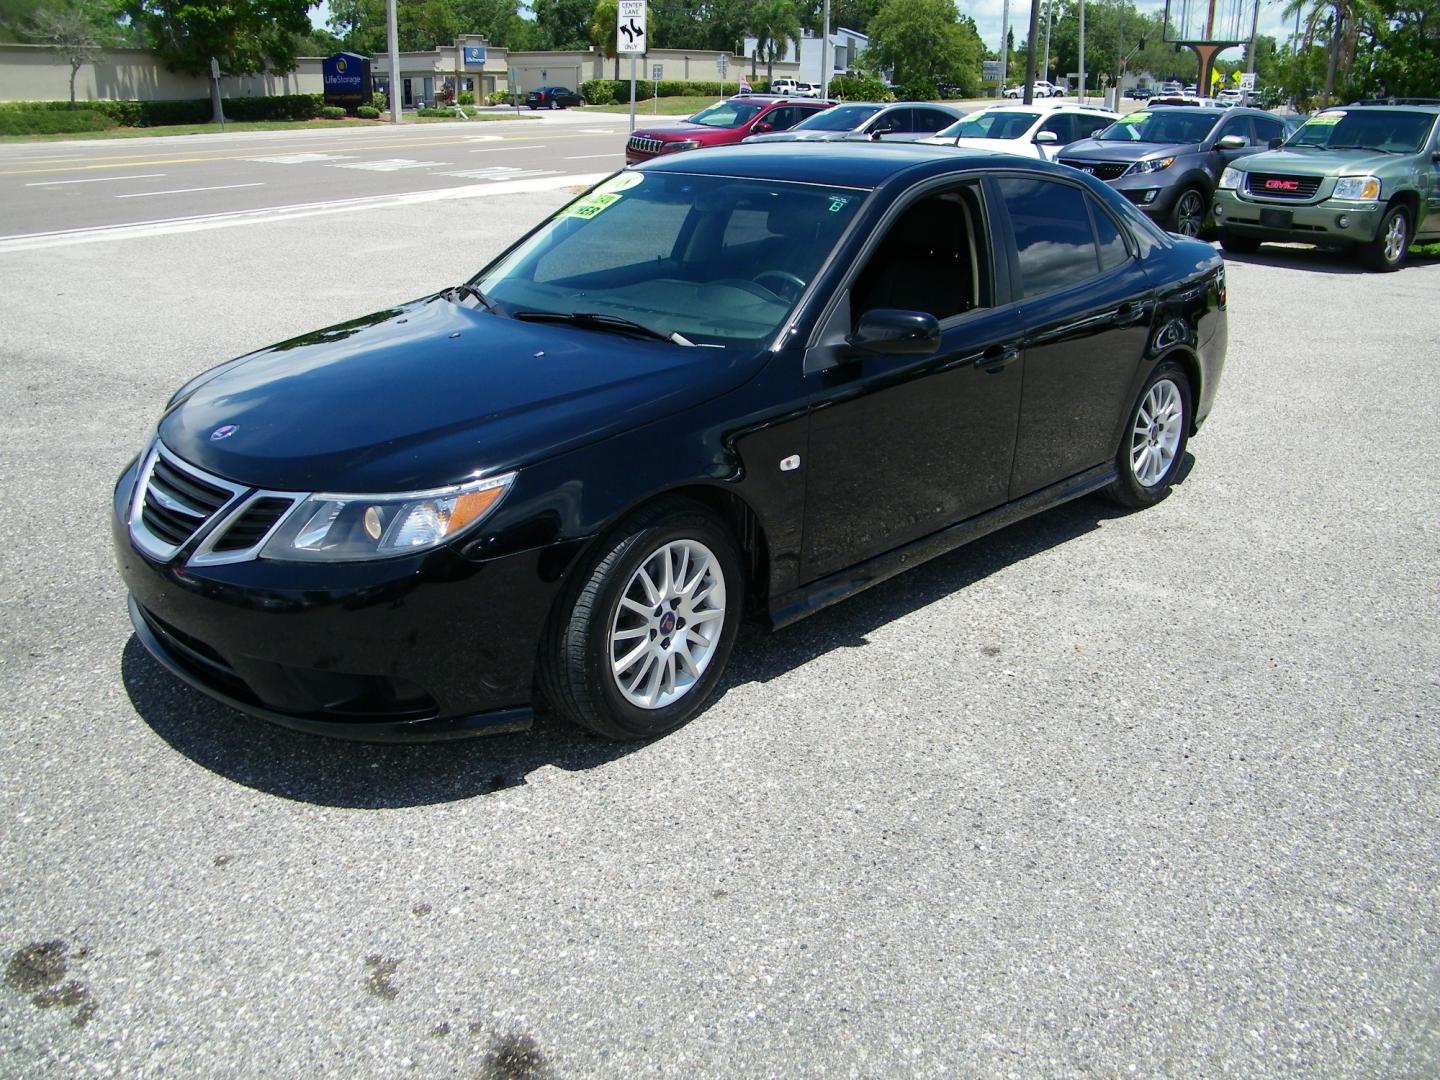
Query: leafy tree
1402,57
246,36
602,30
72,33
926,44
424,24
564,24
774,24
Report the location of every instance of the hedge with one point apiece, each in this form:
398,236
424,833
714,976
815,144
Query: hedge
368,112
606,91
52,122
187,111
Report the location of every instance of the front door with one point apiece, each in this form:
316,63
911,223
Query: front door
901,447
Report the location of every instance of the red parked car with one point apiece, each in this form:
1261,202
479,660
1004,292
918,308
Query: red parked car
724,122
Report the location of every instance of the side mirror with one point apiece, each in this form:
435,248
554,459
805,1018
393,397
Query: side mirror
1232,142
891,332
877,132
1276,143
762,127
1047,137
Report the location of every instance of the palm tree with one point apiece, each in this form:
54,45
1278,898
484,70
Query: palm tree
1340,21
775,23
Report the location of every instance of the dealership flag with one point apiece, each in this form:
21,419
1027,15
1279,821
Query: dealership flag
744,85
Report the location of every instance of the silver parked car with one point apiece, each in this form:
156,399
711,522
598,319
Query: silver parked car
905,121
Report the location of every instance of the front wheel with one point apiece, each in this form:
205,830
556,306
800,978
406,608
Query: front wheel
1153,444
1188,215
1392,240
644,639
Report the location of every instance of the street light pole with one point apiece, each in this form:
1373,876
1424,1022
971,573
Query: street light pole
1082,52
1034,33
1004,45
1049,14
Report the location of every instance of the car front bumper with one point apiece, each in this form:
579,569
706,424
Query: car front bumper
1330,221
412,649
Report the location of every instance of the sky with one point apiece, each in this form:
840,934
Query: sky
988,15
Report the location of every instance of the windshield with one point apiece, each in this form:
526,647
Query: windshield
1169,126
727,114
840,118
714,259
1389,130
991,125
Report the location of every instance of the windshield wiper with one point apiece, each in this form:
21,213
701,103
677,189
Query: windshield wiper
469,290
595,320
1356,146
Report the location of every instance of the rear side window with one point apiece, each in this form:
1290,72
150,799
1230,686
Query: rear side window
928,120
1107,236
1052,230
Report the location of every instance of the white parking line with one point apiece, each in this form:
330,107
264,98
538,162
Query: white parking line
584,157
492,149
95,180
186,190
165,226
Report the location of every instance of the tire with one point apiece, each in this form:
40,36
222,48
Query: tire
1143,479
1240,245
1187,216
584,673
554,104
1392,241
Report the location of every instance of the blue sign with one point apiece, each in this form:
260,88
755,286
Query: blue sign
475,54
347,79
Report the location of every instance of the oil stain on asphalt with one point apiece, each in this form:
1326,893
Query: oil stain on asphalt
382,970
39,970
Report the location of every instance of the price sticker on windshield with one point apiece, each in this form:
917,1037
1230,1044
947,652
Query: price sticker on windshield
623,182
1134,118
590,206
1325,119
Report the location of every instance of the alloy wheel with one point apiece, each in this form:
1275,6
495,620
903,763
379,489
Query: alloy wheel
1156,435
668,624
1395,237
1189,214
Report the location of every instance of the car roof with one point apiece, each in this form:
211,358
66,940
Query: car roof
1386,107
839,164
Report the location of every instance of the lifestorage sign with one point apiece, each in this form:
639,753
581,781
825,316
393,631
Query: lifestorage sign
347,79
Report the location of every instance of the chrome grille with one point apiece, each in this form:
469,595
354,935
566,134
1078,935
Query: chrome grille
1101,170
252,524
1275,186
642,145
173,502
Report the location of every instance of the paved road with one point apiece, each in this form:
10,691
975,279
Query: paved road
64,188
1149,794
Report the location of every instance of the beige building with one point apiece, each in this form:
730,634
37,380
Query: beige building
36,73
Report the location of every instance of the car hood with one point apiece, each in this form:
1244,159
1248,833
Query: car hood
1096,150
1304,161
681,130
429,393
999,146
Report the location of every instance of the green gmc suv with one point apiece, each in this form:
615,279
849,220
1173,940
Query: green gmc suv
1365,177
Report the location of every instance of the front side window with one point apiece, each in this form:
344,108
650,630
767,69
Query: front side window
714,259
1052,233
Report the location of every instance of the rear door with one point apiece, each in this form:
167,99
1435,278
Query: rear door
1085,306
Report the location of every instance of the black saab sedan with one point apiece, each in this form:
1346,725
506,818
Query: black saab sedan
751,379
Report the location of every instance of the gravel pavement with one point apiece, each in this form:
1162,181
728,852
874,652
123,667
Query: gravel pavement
1101,795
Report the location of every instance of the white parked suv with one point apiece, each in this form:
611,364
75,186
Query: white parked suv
788,87
1042,89
1034,131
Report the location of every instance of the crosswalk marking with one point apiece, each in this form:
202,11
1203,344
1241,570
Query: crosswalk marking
302,159
499,172
390,165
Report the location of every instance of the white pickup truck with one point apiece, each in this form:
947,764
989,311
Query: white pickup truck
789,87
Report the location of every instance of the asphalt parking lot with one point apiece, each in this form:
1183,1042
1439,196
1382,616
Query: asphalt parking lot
1101,795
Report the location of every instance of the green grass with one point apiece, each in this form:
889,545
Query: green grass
194,129
1430,250
669,106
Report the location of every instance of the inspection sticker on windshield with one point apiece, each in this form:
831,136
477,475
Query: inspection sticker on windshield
1134,118
590,205
1326,119
838,203
623,182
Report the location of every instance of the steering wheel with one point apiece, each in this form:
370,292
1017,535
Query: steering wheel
791,285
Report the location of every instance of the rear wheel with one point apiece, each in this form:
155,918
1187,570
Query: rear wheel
1240,245
554,104
1153,445
644,639
1392,240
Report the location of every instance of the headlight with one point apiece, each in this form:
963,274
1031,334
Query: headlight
683,144
334,528
1230,178
1153,165
1357,187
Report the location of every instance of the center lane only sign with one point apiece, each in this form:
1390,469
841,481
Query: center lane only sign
630,28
